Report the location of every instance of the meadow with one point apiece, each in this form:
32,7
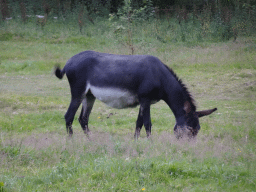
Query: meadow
36,153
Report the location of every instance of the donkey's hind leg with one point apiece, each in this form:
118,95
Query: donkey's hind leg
87,102
69,116
77,92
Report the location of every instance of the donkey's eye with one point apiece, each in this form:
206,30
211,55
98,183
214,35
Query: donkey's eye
192,122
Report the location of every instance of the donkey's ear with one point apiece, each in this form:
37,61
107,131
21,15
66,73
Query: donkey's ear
205,112
187,107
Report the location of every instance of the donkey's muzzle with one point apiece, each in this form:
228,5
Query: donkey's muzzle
185,132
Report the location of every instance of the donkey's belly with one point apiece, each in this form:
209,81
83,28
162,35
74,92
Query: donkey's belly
114,97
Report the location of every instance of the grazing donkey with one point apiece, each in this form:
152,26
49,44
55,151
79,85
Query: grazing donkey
123,81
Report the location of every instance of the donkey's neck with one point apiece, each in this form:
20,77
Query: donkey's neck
175,100
176,96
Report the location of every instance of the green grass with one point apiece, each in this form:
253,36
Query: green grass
37,155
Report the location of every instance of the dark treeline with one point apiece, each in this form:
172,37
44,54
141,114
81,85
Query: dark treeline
210,19
104,7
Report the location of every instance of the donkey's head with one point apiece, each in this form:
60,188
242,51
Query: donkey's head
190,126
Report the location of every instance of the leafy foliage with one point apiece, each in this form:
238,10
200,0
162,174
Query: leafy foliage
141,14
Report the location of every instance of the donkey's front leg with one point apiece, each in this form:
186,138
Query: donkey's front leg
145,112
139,124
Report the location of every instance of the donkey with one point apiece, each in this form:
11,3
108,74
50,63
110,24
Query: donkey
123,81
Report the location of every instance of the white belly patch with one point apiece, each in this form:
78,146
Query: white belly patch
114,97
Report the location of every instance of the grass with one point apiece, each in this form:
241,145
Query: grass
37,155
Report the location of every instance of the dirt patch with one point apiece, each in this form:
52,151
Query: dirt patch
38,85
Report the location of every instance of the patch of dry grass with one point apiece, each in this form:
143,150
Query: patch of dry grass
165,143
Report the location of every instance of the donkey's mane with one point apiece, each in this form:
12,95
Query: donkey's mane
188,96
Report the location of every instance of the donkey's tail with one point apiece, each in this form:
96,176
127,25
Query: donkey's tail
58,72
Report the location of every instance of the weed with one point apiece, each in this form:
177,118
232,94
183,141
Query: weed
7,36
